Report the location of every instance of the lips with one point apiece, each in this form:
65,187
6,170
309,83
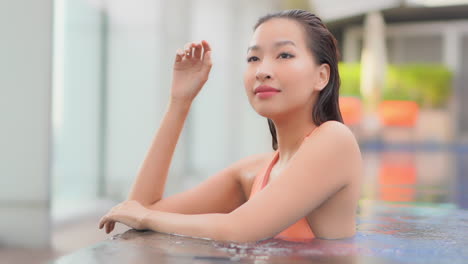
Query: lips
265,88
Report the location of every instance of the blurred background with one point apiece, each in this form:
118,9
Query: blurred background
84,85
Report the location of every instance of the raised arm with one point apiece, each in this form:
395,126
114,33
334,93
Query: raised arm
191,69
150,181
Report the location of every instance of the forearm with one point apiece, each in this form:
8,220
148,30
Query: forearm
148,187
211,226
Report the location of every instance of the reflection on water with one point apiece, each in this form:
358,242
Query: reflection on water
410,212
416,177
461,182
387,232
276,250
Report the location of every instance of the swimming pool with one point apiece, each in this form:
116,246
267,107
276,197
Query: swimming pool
413,210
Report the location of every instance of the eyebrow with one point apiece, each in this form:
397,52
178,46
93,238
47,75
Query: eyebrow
277,44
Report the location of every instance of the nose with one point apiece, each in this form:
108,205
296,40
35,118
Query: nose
263,72
261,75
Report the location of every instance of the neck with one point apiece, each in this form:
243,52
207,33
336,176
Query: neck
290,132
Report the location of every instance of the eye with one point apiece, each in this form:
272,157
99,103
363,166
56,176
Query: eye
287,54
250,58
283,55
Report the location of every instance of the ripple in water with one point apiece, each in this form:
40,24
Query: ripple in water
273,247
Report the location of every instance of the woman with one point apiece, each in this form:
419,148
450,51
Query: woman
308,187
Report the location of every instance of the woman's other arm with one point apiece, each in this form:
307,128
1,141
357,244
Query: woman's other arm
189,75
148,187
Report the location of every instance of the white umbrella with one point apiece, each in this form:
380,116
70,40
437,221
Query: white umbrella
373,67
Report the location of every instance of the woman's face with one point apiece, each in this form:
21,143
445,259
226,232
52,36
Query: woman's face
278,57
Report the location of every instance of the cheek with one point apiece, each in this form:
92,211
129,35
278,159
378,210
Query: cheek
249,81
300,78
299,90
302,71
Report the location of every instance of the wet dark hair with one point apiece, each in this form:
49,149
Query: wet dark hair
323,46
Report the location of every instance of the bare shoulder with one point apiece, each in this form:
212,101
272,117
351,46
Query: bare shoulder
333,128
335,142
338,134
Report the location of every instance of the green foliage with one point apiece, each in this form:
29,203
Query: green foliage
297,4
350,74
429,85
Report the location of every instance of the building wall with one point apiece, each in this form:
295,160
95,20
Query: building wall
77,104
25,116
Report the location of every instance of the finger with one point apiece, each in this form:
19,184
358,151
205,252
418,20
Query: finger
198,51
189,50
101,222
108,227
207,59
179,55
206,50
104,220
112,225
206,45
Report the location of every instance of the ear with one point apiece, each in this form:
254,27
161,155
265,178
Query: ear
323,76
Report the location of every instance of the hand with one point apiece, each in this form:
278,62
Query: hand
130,213
190,71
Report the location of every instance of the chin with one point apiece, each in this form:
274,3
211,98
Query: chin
262,111
267,109
265,115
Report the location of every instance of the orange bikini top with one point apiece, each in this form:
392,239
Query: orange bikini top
298,231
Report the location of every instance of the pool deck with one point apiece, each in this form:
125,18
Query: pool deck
387,232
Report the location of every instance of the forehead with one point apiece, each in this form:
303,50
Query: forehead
277,29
